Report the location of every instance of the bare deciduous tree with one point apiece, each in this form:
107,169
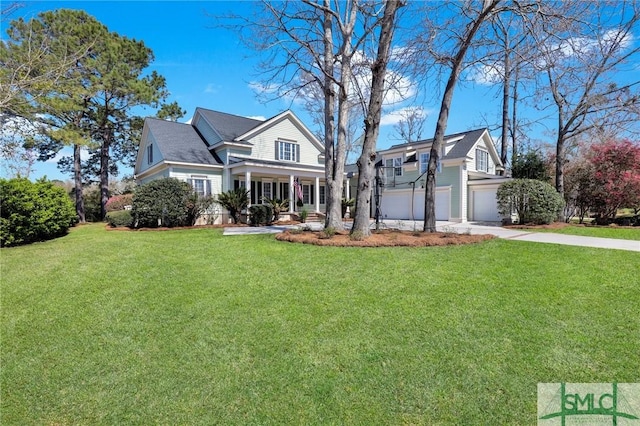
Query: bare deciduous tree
367,159
459,35
581,55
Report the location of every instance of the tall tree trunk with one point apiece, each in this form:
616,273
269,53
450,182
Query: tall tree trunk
560,158
514,123
441,125
104,170
77,178
506,85
333,169
366,162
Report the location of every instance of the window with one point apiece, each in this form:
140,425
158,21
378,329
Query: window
201,185
150,154
266,190
393,167
307,194
424,163
288,151
482,160
322,195
284,191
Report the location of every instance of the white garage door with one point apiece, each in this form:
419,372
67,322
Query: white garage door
397,205
485,206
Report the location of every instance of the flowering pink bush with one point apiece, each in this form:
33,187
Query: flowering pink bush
118,202
617,176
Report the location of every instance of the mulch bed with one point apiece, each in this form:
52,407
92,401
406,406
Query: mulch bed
384,238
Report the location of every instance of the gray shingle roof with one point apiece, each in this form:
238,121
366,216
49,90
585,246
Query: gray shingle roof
180,142
229,126
459,150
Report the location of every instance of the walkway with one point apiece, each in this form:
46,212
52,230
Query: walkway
469,227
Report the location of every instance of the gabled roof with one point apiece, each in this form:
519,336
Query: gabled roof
228,126
180,142
460,149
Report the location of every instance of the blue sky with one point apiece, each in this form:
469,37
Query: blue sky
208,67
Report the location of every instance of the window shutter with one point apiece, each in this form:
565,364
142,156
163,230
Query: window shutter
207,190
190,182
297,153
277,150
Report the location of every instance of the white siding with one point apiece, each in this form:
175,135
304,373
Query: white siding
265,143
472,163
185,174
159,175
157,158
206,131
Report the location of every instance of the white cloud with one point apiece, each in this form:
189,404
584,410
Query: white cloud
212,88
262,89
68,152
394,117
486,75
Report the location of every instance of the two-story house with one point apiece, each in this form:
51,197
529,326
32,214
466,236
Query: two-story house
274,158
466,181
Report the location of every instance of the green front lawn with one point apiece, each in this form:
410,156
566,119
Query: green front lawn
621,233
190,327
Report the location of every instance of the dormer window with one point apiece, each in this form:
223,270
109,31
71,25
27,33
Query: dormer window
393,167
482,160
288,151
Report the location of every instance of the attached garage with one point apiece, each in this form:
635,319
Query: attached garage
482,204
396,204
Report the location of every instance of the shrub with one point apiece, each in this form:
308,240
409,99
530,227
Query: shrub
235,201
161,202
196,206
277,206
33,211
327,233
534,201
304,213
345,203
120,219
356,236
260,214
118,202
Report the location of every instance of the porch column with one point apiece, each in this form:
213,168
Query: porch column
247,180
317,194
292,202
348,189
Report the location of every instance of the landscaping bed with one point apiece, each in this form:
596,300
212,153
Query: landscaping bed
382,238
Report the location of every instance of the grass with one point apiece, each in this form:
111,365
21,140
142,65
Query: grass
190,327
621,233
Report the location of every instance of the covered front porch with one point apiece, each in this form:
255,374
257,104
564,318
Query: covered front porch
304,187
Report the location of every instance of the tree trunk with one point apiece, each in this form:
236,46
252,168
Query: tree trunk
366,162
333,169
506,85
77,178
560,156
104,170
514,123
429,224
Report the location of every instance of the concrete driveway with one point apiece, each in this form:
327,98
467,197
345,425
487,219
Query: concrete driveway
469,227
